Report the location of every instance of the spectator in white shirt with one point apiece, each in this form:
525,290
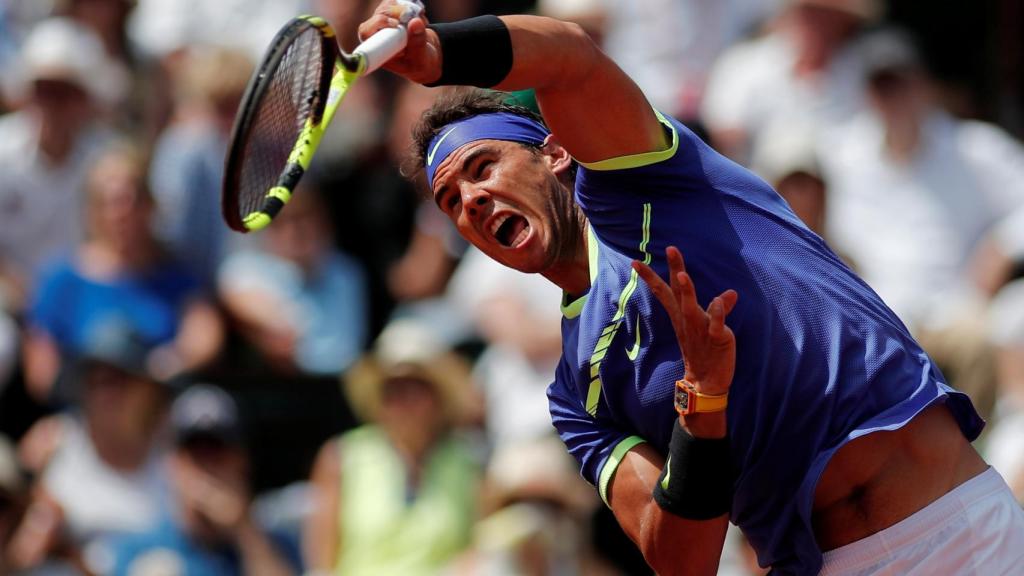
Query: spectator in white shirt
807,65
913,190
47,147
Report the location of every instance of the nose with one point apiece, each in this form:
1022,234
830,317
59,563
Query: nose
475,200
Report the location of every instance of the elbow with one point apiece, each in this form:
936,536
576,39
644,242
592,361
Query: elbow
651,545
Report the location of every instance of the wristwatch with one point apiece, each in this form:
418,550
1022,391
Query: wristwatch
689,401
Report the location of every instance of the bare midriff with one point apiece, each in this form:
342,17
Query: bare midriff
879,479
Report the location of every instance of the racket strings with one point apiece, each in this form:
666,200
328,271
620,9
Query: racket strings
289,101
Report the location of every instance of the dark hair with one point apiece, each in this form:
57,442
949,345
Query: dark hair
455,105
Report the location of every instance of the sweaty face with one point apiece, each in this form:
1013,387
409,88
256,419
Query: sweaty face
505,200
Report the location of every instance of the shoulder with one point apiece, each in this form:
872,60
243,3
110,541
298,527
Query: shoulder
16,132
987,142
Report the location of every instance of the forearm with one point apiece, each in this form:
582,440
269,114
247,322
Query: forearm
670,544
259,556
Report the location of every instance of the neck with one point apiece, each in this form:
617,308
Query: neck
571,268
120,451
573,275
903,139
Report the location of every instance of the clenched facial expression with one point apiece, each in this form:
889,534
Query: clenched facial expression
505,199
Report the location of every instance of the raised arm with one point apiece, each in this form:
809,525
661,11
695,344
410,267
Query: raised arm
593,108
677,511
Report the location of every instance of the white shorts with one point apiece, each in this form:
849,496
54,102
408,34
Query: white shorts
975,529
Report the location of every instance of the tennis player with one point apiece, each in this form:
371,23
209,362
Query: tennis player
810,418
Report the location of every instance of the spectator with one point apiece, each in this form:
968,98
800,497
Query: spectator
99,466
396,496
666,46
913,191
317,294
210,530
188,160
807,65
144,105
537,510
47,146
166,28
787,158
119,271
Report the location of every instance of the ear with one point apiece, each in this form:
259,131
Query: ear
556,157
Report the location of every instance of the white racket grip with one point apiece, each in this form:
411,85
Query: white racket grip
382,46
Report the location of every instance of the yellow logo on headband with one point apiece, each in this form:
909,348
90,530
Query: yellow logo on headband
430,156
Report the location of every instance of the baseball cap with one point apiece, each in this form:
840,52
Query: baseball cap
116,342
61,49
204,411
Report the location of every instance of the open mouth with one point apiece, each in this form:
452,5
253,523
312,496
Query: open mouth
510,230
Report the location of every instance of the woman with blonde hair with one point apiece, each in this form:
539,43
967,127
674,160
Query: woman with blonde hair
119,272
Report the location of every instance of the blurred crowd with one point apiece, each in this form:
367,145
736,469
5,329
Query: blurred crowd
354,390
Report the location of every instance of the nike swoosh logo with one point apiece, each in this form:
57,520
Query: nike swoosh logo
632,353
430,156
668,473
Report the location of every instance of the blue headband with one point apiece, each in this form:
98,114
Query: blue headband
493,126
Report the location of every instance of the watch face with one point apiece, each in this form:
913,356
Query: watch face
682,401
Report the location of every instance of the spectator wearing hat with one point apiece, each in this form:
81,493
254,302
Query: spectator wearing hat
807,65
47,146
536,512
99,466
119,271
913,191
397,495
210,530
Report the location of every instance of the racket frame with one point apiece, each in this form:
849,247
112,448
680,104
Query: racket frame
339,71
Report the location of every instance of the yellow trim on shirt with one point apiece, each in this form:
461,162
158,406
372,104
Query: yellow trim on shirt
612,464
642,159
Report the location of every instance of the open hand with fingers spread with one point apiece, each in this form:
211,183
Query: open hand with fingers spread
707,344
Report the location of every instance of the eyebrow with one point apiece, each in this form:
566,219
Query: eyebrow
466,162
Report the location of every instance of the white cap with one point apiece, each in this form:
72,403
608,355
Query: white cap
786,146
61,49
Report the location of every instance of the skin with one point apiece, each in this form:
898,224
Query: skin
211,481
870,484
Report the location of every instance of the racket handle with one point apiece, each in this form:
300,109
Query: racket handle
382,46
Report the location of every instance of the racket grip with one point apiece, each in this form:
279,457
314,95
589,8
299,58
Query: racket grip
382,46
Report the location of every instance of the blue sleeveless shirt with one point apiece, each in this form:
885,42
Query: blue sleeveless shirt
820,359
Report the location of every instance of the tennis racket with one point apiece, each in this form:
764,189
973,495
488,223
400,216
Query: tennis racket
287,106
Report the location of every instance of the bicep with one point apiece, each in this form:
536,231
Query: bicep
593,108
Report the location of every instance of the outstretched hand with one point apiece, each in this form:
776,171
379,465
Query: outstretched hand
420,61
707,344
